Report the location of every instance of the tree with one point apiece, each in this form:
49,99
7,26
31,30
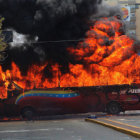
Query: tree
3,45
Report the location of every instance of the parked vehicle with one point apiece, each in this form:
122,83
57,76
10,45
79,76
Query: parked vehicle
111,99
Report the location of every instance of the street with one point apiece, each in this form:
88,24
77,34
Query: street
58,129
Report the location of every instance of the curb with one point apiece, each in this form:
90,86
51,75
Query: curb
120,129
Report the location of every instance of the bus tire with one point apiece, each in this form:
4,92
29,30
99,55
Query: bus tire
28,113
113,108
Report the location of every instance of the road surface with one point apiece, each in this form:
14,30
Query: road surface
62,129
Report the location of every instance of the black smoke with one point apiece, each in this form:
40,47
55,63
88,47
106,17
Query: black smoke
49,20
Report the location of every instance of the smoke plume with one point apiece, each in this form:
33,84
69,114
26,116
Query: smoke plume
45,23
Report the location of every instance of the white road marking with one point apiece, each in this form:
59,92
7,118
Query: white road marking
121,119
34,130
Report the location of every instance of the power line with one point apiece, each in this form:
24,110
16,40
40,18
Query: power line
50,41
57,41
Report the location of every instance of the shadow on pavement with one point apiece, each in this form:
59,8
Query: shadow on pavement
69,116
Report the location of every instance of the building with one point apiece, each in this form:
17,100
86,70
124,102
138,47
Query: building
131,10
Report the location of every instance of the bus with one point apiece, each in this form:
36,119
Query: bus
112,99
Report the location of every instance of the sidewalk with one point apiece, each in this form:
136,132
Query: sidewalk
117,124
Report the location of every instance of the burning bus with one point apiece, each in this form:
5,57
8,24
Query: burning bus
111,99
95,75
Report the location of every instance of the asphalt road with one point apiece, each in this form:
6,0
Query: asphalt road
130,118
62,129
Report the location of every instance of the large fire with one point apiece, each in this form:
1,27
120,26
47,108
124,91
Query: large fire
108,57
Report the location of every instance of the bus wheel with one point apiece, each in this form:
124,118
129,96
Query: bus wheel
28,113
113,108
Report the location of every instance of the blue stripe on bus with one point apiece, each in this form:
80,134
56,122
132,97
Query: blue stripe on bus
69,95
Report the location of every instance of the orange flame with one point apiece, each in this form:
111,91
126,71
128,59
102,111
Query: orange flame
108,57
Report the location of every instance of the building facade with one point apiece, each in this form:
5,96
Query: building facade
131,14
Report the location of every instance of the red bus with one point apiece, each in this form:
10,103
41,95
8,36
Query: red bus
111,99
